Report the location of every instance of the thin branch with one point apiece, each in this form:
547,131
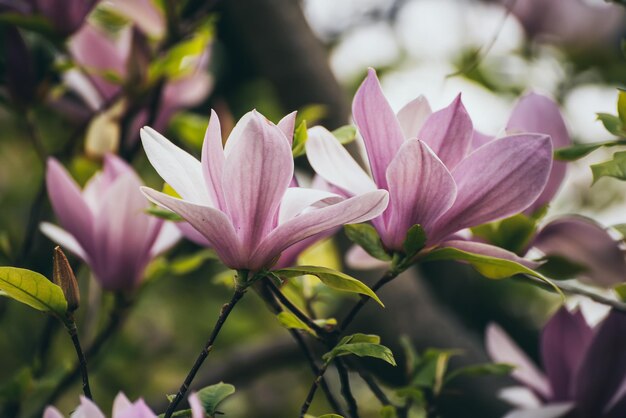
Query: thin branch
82,362
316,383
346,391
373,385
224,313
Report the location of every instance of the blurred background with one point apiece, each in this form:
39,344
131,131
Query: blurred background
75,94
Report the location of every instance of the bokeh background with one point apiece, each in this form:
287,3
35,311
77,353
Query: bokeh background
278,56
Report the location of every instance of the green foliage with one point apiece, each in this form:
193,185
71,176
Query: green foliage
620,290
189,128
611,123
291,321
168,215
415,240
345,134
187,263
331,278
35,23
32,289
362,345
486,369
212,396
300,137
179,60
613,168
512,233
388,411
560,268
365,235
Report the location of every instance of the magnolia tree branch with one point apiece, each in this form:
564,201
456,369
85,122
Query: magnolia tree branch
82,362
224,313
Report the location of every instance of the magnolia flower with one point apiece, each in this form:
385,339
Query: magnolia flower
435,167
122,408
585,368
66,16
105,224
238,197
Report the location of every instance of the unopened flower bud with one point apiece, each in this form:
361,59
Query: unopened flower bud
63,276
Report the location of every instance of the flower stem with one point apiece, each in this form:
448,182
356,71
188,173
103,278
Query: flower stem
224,313
309,397
346,391
82,363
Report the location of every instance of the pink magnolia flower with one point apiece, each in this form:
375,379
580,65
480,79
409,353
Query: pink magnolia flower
436,172
238,196
585,368
122,408
66,16
105,224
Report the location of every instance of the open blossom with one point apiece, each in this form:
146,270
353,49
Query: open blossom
122,408
105,224
239,196
439,172
585,368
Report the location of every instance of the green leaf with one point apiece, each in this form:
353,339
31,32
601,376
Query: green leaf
190,262
415,240
621,106
211,396
578,151
512,233
620,289
189,128
361,349
325,323
621,228
32,289
168,215
365,235
290,321
487,369
345,134
388,411
360,338
432,368
611,123
560,268
300,136
331,278
613,168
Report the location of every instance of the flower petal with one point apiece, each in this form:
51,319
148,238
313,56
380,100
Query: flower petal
333,163
177,167
120,403
503,350
489,250
603,368
448,132
564,342
548,411
479,139
211,223
297,199
354,210
535,113
192,234
52,412
197,410
586,243
497,180
69,205
421,189
287,126
213,161
257,173
520,397
413,115
87,409
169,235
63,238
357,258
378,126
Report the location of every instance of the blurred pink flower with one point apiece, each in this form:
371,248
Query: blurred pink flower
434,177
122,408
238,197
585,368
105,224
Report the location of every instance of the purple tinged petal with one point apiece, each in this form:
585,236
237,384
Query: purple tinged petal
497,180
421,189
503,350
69,205
66,15
535,113
211,223
297,199
287,126
64,239
213,161
192,234
120,403
114,167
257,173
448,132
378,126
520,397
52,412
479,139
413,116
197,410
139,409
603,368
548,411
333,163
357,258
586,243
238,132
354,210
564,341
168,236
489,250
177,167
125,235
87,409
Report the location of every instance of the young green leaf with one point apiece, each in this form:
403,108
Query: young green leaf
578,151
168,215
611,123
512,233
613,168
345,134
487,369
190,262
331,278
388,411
621,106
366,236
32,289
360,338
300,136
362,349
415,240
211,396
290,321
